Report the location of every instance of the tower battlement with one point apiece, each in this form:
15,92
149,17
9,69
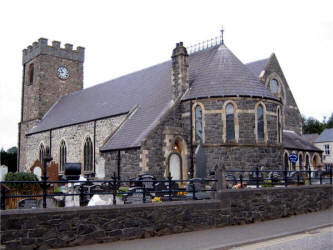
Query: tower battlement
42,48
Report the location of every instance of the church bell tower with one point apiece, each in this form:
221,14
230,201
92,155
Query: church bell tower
49,72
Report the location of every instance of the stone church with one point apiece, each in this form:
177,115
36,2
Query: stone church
154,120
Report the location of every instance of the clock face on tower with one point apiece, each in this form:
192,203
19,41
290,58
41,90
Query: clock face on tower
63,72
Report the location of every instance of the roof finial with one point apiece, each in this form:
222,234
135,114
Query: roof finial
222,30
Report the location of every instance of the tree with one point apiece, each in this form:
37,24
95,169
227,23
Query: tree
329,123
312,125
9,158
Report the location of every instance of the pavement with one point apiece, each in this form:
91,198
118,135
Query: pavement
226,237
319,239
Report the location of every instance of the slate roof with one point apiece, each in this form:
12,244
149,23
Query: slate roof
326,136
213,72
218,72
257,66
310,137
292,140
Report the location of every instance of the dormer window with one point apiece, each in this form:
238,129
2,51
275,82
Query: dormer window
274,86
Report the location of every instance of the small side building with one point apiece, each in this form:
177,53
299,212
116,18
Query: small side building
325,143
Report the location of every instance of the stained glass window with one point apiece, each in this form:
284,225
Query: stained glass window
260,122
41,153
63,156
230,122
274,86
198,124
88,155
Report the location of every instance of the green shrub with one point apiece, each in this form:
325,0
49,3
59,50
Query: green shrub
122,189
22,187
267,183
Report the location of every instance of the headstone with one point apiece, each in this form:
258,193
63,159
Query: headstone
199,187
3,172
27,204
38,172
72,171
147,181
197,183
136,197
107,199
200,163
50,203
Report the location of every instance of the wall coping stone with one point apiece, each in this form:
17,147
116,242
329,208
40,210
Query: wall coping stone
108,208
278,188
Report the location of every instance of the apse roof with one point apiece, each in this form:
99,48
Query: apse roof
218,72
214,71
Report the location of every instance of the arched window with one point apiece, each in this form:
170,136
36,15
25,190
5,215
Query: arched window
300,162
230,122
260,122
88,155
198,124
41,153
31,74
62,156
279,126
307,162
274,86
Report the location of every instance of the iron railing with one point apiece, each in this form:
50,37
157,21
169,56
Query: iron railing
205,44
265,178
146,189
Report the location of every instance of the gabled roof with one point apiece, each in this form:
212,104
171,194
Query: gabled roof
213,72
292,140
325,136
310,137
257,66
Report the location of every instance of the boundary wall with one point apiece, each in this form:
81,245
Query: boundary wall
63,227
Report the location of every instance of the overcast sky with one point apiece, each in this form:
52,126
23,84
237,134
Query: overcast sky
125,36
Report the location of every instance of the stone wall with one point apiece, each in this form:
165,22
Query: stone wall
291,115
244,157
129,163
159,141
243,153
88,225
74,137
252,205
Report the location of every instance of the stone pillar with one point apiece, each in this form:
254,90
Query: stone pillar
180,72
221,182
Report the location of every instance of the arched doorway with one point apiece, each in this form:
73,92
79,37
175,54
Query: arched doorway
177,159
175,166
307,161
300,161
315,161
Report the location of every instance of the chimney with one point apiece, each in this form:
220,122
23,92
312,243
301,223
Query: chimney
180,72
